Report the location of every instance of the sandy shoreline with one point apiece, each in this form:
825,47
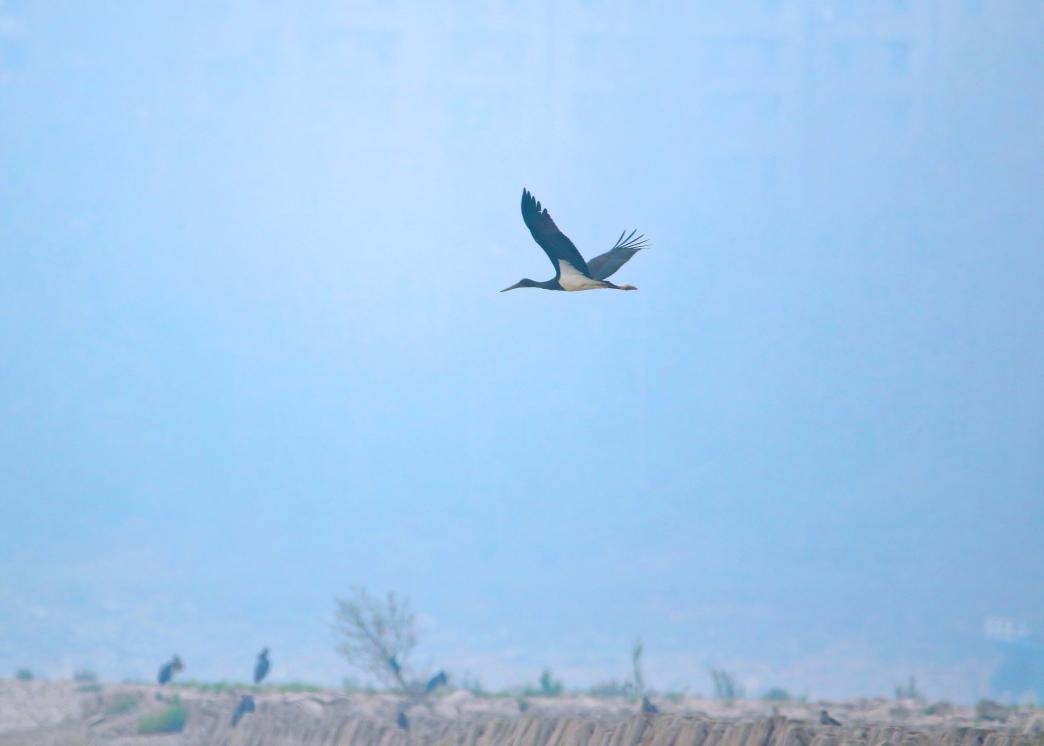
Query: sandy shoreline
74,714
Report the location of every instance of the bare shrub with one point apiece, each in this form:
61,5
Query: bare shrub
909,690
725,686
637,678
377,636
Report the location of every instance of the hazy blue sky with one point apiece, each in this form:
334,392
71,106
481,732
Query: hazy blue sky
252,351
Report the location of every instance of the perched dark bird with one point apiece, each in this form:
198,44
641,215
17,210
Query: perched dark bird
402,721
394,665
648,707
263,664
435,682
825,719
246,704
168,669
571,271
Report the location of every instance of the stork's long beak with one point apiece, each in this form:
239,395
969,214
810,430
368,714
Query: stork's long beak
516,285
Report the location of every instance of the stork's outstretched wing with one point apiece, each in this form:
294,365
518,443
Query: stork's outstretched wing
601,267
554,243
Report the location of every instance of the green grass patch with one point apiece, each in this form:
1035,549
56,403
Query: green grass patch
170,720
295,687
121,705
237,687
613,690
212,687
351,686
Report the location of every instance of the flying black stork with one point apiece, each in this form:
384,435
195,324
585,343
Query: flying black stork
571,271
168,669
263,664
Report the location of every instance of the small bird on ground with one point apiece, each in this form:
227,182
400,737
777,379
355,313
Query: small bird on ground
402,721
825,719
263,664
648,707
572,273
168,669
435,682
246,704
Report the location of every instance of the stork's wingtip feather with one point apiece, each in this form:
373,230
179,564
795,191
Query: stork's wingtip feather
527,201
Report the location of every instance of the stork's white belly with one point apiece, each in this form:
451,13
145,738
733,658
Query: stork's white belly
572,279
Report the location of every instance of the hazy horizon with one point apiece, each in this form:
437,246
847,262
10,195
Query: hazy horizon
254,352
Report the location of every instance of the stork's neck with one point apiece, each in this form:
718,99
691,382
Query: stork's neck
552,284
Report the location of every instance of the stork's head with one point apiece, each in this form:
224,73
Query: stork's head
525,282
